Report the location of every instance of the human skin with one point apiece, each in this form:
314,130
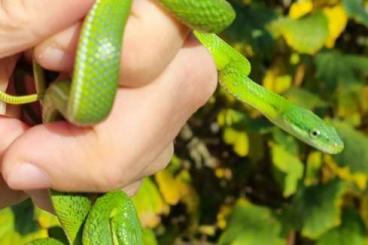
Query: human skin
166,76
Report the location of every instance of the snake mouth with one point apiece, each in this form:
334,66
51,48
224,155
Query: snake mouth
334,148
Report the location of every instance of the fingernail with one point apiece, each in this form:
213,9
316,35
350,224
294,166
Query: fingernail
52,54
26,176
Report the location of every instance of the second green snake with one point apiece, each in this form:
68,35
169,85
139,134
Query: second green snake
88,99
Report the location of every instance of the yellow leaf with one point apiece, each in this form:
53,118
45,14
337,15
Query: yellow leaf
300,8
294,58
223,173
364,209
277,82
45,219
149,204
238,139
230,135
306,35
363,99
177,188
223,215
337,20
9,233
241,146
208,230
314,163
169,187
344,173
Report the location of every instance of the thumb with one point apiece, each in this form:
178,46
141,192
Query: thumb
24,23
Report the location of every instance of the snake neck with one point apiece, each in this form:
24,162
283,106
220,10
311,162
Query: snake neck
244,89
233,69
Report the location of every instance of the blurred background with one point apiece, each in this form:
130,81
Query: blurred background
237,179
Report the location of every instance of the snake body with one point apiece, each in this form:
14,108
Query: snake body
88,100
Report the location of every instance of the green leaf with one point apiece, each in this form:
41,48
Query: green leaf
149,237
45,219
238,128
238,139
305,98
290,166
149,204
250,27
355,154
285,140
251,224
24,217
350,232
18,226
316,209
314,164
334,67
355,9
307,34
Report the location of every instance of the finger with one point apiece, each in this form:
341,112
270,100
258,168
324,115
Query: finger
110,155
10,129
58,52
133,188
150,31
26,23
6,69
160,162
41,198
9,197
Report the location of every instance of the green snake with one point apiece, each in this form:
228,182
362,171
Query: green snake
88,99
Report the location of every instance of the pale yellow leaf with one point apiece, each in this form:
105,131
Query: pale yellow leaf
169,187
300,8
337,21
277,82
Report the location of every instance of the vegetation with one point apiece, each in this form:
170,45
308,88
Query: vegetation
237,179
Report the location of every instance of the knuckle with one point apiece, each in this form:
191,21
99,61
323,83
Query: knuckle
107,179
13,14
111,172
166,157
142,65
113,179
161,161
201,78
15,25
132,189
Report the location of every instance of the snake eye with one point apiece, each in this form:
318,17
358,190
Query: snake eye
314,133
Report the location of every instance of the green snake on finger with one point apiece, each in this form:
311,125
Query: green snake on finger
88,99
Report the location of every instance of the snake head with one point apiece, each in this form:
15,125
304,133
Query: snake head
311,129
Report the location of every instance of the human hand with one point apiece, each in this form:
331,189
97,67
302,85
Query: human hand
165,78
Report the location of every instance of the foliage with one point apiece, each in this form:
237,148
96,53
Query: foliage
237,179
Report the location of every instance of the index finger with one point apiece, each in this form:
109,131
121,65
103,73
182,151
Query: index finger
24,23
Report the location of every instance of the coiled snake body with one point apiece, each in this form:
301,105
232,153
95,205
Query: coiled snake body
88,99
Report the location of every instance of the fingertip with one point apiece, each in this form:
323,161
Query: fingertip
26,176
10,129
133,188
8,196
27,23
58,52
35,160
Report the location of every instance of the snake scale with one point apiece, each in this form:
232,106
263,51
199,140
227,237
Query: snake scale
88,99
